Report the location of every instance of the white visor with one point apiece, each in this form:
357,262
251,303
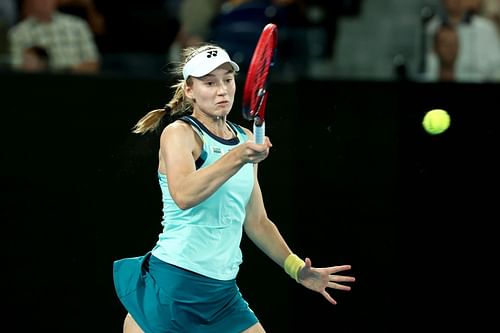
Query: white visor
206,61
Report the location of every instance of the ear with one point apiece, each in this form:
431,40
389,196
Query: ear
188,91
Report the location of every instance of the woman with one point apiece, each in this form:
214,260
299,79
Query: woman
208,176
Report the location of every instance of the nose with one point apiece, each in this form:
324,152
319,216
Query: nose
222,90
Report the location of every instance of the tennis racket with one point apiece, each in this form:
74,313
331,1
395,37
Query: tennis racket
255,89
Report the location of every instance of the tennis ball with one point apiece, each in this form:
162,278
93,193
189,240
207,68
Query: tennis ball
436,121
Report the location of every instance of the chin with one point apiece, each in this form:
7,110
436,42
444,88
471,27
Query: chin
223,110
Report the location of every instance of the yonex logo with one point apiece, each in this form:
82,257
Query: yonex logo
211,53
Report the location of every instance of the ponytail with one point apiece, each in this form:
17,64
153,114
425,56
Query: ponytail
158,119
150,121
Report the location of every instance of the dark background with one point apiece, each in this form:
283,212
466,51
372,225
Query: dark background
352,179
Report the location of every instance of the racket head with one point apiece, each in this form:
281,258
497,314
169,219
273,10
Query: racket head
255,89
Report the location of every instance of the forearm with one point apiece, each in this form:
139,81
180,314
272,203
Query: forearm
266,236
199,185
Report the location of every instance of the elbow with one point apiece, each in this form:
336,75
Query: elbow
182,201
183,205
185,197
258,225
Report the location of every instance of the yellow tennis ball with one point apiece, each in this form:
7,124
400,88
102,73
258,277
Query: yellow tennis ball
436,121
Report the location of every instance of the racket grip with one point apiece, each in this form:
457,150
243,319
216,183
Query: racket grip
259,132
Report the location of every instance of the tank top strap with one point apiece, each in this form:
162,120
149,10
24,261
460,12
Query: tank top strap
194,124
238,130
203,154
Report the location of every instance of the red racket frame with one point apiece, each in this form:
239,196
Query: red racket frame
255,89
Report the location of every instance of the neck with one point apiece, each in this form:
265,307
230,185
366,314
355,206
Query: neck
43,18
447,74
217,125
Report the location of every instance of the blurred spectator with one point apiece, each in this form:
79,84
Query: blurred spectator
446,47
307,28
35,59
66,38
473,6
238,25
491,10
326,14
196,18
137,35
85,9
307,31
199,17
478,58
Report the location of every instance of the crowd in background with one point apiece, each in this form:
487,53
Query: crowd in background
462,42
459,38
140,38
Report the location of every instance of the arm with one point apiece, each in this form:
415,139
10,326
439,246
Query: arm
266,236
261,230
179,148
86,67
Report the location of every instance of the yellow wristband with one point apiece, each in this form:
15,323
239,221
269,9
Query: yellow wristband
293,264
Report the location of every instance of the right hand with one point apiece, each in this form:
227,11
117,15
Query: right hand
255,153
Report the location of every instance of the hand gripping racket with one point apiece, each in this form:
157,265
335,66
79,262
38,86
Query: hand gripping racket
255,89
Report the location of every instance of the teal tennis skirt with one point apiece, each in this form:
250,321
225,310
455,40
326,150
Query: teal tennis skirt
165,298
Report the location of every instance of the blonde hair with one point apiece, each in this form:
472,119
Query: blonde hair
179,105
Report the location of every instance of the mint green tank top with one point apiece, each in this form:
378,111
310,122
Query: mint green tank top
206,238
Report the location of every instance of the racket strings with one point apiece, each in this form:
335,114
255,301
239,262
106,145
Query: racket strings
260,75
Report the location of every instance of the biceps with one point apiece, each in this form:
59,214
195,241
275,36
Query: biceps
177,159
178,165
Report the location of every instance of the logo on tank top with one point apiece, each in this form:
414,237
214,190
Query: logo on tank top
217,150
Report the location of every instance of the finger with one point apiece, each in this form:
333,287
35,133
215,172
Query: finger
338,286
308,263
341,268
341,278
328,297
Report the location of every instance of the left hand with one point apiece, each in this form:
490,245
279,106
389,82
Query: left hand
318,279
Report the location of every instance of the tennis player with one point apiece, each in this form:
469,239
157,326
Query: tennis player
207,173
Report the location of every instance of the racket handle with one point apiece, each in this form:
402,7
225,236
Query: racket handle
259,132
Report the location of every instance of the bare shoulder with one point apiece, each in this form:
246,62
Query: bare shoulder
248,132
177,129
179,134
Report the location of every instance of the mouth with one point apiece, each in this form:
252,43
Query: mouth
222,103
